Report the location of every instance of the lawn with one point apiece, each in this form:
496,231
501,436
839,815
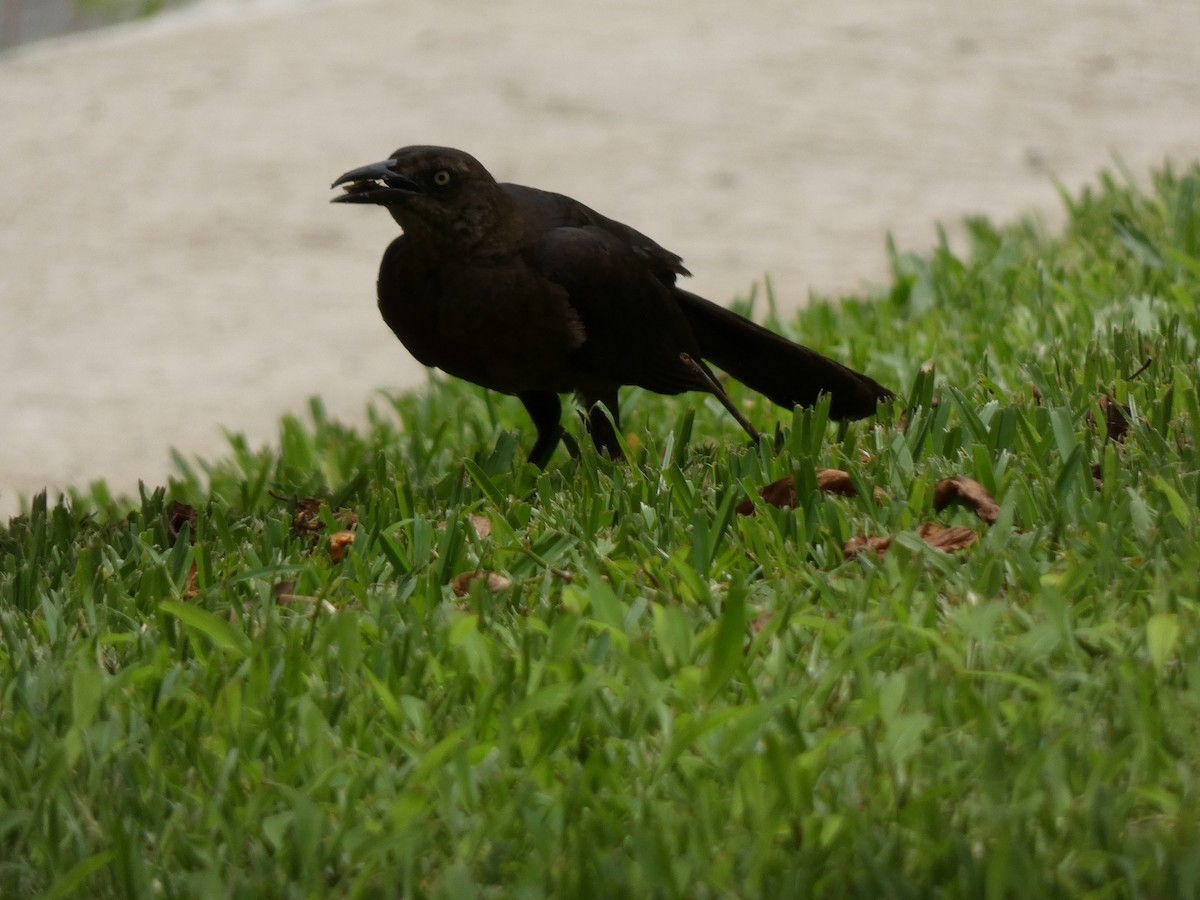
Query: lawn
399,661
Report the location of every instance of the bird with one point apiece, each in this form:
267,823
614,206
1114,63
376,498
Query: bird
531,293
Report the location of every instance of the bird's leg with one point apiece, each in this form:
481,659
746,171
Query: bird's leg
602,429
546,411
719,393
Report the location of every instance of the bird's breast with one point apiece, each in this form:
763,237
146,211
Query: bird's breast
503,328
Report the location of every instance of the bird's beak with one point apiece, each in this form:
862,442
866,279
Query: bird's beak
377,183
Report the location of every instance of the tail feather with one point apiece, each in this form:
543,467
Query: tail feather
786,373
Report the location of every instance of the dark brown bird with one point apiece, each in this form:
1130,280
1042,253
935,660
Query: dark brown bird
532,293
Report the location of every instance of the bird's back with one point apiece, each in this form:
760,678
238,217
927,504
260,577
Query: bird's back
547,210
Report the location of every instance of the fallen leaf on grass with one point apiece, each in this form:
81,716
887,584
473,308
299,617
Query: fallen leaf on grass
948,540
782,493
178,515
284,592
957,489
461,583
779,493
190,591
307,519
968,492
835,481
482,525
861,543
958,537
339,543
1116,417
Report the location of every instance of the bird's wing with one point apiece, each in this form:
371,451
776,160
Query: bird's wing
551,210
634,331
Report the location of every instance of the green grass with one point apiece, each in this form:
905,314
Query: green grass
668,699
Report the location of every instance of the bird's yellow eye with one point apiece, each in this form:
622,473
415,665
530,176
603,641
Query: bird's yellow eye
441,178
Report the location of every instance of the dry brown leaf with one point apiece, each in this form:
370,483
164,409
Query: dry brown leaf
969,493
339,543
178,515
495,582
782,493
285,595
189,586
860,543
959,537
482,525
947,539
306,519
1116,417
835,481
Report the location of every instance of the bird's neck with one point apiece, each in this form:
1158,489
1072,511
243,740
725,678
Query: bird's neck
487,227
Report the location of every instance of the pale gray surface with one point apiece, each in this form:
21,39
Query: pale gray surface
23,21
169,263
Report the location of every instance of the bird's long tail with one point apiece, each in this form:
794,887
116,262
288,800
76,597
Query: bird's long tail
784,372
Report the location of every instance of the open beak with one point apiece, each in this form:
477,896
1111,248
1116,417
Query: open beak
378,183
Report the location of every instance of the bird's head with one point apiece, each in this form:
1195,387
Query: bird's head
434,193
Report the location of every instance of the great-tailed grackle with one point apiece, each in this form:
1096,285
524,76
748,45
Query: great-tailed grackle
531,293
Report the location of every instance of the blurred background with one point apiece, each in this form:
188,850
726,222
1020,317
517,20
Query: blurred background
22,21
170,265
